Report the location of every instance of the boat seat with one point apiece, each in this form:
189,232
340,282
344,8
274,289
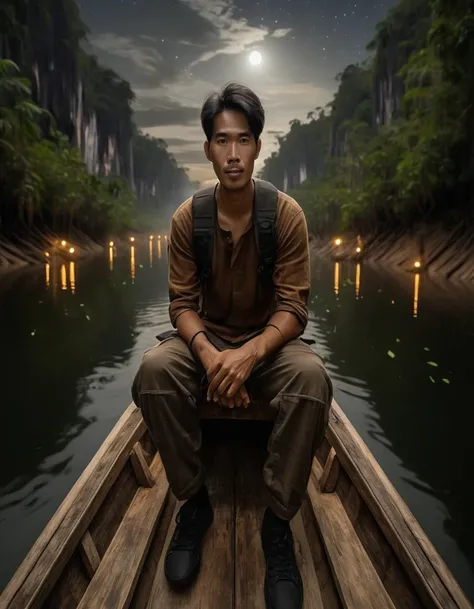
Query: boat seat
116,575
356,579
256,411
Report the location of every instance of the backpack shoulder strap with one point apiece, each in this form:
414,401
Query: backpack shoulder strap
266,198
204,217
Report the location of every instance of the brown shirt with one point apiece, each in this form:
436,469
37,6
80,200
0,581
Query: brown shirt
236,305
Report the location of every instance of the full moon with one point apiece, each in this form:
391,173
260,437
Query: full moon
255,58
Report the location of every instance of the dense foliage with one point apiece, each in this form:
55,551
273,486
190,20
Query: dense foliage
67,138
395,147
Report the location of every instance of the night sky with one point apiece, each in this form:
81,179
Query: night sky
173,52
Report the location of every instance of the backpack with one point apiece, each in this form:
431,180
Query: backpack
204,221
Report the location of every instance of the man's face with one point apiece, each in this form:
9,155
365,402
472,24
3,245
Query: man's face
232,150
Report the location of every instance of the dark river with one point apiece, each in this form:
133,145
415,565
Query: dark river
72,339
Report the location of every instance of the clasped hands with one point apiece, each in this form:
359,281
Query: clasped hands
227,373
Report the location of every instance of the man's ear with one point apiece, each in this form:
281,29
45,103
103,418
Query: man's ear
207,151
259,147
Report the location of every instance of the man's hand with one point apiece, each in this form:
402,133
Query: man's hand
229,370
241,397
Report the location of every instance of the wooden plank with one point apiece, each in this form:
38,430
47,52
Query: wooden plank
380,552
89,555
312,593
328,480
326,583
357,582
432,579
145,583
256,411
140,466
214,586
114,583
41,568
250,505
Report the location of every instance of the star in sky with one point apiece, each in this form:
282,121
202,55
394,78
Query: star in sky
174,53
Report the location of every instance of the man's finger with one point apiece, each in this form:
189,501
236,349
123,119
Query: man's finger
216,381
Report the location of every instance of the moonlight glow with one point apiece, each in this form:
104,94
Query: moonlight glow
255,58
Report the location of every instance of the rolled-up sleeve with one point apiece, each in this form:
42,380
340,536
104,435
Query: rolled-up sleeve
292,266
183,281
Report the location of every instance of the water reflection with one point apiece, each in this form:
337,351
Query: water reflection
47,269
111,257
72,276
357,280
336,277
416,294
63,277
159,246
132,262
150,251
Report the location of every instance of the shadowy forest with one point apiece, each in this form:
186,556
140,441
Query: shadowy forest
71,157
395,147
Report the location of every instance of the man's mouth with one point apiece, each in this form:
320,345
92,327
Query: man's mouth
233,171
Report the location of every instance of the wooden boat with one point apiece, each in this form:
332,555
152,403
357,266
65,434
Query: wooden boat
358,545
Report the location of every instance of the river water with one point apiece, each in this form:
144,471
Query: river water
72,337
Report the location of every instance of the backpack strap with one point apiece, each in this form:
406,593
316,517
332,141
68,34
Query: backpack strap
204,221
266,198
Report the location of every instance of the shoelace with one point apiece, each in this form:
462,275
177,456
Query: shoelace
187,529
281,564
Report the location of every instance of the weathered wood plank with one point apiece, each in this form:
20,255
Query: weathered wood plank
381,554
357,581
89,555
140,466
328,480
311,591
114,583
432,579
145,582
215,584
326,583
250,505
109,516
41,568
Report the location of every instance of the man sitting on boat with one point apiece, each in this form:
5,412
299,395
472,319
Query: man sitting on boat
239,281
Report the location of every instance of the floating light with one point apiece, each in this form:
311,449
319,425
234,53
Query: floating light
71,250
417,264
111,244
338,241
151,237
63,243
46,254
132,239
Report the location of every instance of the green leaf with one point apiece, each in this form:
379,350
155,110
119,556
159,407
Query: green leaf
447,381
391,354
434,364
427,348
432,379
398,340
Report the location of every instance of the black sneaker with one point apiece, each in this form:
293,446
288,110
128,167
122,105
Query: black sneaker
183,558
283,585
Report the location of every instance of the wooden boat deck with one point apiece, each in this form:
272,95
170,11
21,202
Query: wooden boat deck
357,544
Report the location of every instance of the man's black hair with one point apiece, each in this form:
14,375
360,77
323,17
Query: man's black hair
233,97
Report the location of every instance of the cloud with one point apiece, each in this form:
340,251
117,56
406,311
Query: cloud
136,58
235,34
281,32
165,112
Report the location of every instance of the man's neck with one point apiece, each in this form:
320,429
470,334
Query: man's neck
233,205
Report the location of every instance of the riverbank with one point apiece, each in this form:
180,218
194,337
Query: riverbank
436,251
33,247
